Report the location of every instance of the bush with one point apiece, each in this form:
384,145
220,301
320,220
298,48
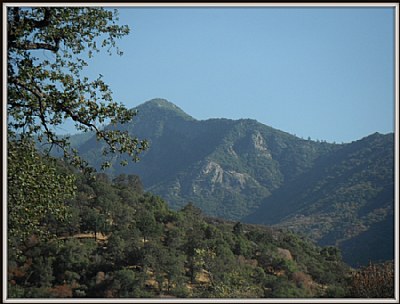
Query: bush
181,291
373,281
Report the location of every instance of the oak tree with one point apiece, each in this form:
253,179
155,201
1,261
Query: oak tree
48,50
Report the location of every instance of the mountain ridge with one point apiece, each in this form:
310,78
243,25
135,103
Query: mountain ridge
232,168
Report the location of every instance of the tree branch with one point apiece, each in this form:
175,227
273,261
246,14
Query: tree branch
26,46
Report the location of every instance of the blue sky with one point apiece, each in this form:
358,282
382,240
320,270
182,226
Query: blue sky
324,73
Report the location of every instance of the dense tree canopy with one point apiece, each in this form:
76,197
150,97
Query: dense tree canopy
32,199
147,250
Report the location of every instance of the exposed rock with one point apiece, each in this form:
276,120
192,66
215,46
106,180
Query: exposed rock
216,172
284,254
260,145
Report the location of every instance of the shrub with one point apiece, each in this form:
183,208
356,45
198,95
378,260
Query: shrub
373,281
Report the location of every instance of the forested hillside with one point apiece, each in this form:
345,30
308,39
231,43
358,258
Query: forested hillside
119,241
346,200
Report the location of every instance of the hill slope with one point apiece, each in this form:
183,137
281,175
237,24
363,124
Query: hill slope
341,200
122,243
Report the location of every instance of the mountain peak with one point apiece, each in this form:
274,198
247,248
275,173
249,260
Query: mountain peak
159,102
163,105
